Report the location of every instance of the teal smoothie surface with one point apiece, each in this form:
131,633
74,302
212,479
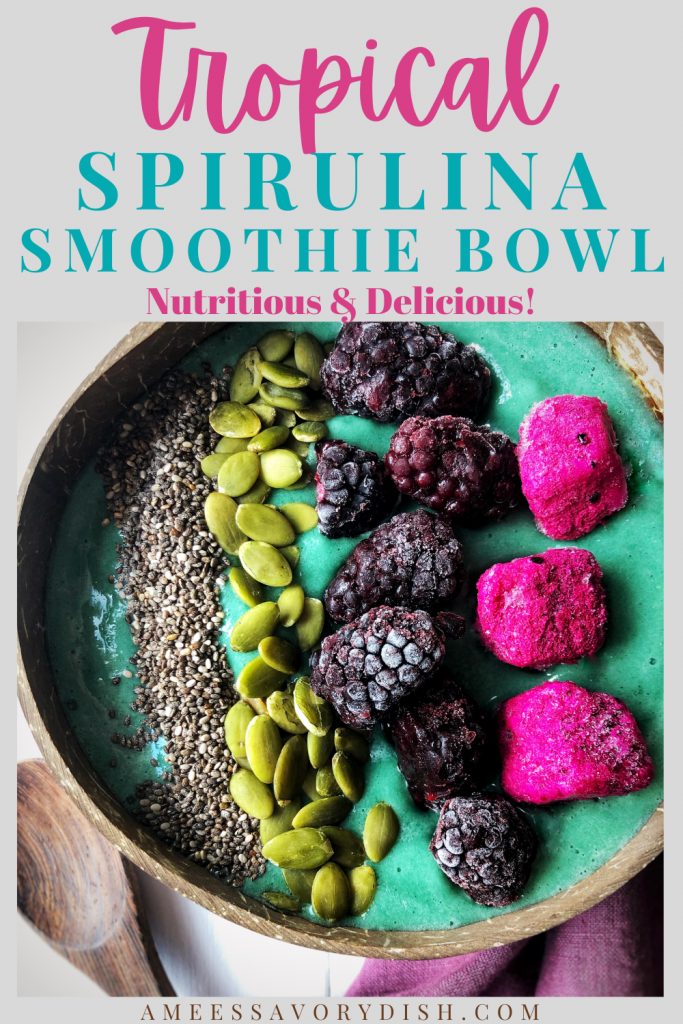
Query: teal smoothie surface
89,639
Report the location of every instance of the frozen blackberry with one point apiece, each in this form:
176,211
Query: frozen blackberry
450,464
486,846
389,371
441,742
368,665
353,490
414,560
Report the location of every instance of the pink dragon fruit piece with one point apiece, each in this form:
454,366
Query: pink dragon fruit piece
541,610
572,476
561,742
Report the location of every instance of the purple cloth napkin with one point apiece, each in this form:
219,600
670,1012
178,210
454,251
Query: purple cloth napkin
613,949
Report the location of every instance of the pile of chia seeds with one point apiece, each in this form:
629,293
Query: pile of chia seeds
169,569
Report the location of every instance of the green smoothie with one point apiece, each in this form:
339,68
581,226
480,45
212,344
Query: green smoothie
90,643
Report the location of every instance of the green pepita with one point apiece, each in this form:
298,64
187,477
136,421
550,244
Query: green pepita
283,398
299,448
275,345
309,355
309,431
234,420
260,522
279,822
331,893
279,654
236,723
292,554
219,513
326,811
230,445
349,775
258,679
320,748
258,706
304,480
266,413
308,785
210,464
363,883
283,376
303,517
314,712
251,795
246,377
300,883
291,769
280,467
239,473
320,409
301,849
291,604
284,417
265,564
309,628
263,745
271,437
352,743
380,831
246,588
325,782
282,901
256,496
257,623
348,847
280,707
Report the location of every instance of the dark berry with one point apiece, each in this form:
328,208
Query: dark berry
441,742
353,490
450,464
414,560
368,665
388,371
486,846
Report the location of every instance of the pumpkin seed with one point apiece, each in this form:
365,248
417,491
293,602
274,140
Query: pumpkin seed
290,360
380,831
325,782
271,437
349,775
291,604
260,522
363,884
331,893
256,496
352,743
239,473
247,589
276,345
320,409
301,849
279,654
279,822
308,785
320,748
265,564
299,448
326,811
282,901
236,723
280,707
230,445
266,413
309,627
309,431
234,420
292,554
246,377
210,464
284,417
300,882
283,398
348,847
263,745
283,376
280,467
303,517
258,679
291,769
257,704
251,795
308,355
219,513
314,712
304,480
251,628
